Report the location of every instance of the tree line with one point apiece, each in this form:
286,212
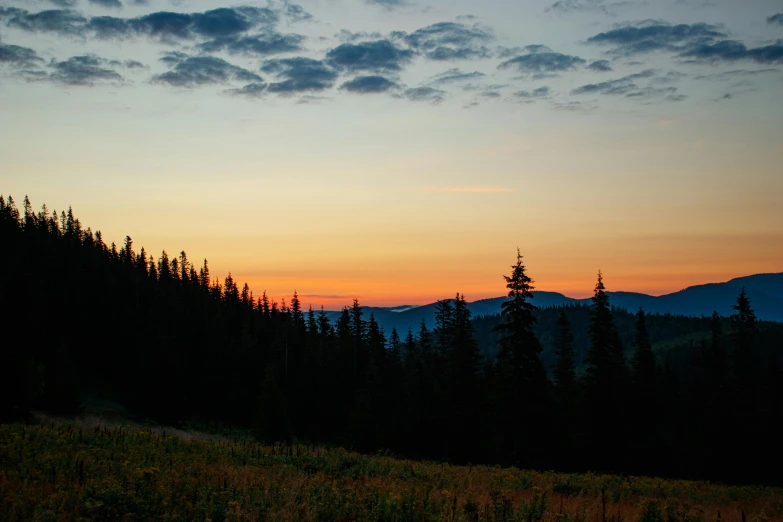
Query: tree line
168,340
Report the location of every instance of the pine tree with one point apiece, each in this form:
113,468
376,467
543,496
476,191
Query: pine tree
174,270
744,327
643,412
184,267
395,344
605,358
230,290
141,262
128,257
464,370
296,311
564,371
312,325
264,305
643,363
424,338
359,330
204,275
246,297
153,271
325,329
605,382
29,217
523,387
164,267
444,318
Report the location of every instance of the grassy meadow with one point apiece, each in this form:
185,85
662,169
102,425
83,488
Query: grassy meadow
53,471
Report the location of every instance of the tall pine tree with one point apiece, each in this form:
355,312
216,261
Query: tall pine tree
523,388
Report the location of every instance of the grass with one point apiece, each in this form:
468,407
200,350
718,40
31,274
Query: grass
63,472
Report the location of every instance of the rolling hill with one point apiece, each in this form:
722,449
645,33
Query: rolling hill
765,292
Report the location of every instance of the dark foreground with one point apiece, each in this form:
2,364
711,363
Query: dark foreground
61,472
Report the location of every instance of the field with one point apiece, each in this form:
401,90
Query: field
65,472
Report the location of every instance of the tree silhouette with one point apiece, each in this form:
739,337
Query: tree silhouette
522,382
173,342
605,380
564,375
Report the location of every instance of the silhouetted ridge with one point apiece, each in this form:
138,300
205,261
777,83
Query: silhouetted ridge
548,383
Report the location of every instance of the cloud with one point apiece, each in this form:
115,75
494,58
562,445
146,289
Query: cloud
425,94
600,66
128,64
732,50
735,74
16,55
573,106
164,25
229,22
251,90
621,86
380,55
63,3
450,41
475,87
59,21
83,70
194,71
541,92
455,75
776,19
109,27
167,25
108,4
650,36
296,13
260,44
368,84
349,36
300,74
389,4
568,6
540,61
476,189
627,87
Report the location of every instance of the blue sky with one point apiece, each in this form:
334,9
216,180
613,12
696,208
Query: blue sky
643,138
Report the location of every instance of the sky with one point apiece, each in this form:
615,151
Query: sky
399,151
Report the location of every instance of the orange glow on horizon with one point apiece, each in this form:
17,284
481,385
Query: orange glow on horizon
380,296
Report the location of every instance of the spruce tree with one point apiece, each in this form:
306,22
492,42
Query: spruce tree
748,425
444,317
643,363
744,328
606,357
522,379
605,382
564,371
464,371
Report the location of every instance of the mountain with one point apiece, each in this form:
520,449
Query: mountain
764,290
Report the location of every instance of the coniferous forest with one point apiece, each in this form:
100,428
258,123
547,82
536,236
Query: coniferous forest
174,342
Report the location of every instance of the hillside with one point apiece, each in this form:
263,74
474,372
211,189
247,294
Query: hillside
62,472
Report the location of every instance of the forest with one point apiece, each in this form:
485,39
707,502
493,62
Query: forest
693,398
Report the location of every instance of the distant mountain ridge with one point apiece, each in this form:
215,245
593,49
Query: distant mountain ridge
764,290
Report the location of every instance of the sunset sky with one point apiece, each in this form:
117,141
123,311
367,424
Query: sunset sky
400,151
